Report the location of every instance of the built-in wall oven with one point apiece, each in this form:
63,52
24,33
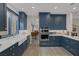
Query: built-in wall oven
44,34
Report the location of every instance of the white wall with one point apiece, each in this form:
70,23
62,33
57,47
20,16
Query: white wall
76,21
32,20
69,22
76,24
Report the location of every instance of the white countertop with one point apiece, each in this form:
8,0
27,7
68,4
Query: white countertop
72,37
9,41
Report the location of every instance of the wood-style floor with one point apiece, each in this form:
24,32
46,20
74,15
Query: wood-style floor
35,50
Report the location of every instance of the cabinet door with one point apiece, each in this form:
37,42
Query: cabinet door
60,22
25,44
14,51
21,49
71,45
74,47
51,40
44,19
3,21
51,22
28,40
57,40
62,41
54,40
65,42
22,21
44,44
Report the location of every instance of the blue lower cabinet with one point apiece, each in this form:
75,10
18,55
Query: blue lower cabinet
28,40
44,44
14,50
11,51
74,45
71,45
25,45
22,47
53,41
57,40
62,41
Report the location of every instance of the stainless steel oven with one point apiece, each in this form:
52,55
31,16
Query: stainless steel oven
44,34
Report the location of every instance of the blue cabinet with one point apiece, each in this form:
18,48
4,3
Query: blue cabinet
44,18
74,49
53,41
44,43
64,41
11,51
22,21
28,41
70,45
51,22
3,19
57,22
24,46
21,49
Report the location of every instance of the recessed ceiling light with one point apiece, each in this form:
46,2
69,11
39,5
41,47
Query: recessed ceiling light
55,7
74,8
33,7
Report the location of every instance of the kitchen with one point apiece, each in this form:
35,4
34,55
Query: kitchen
39,29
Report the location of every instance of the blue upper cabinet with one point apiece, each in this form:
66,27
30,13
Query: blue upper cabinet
51,22
57,22
22,21
44,18
3,21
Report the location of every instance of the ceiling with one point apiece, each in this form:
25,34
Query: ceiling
54,8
